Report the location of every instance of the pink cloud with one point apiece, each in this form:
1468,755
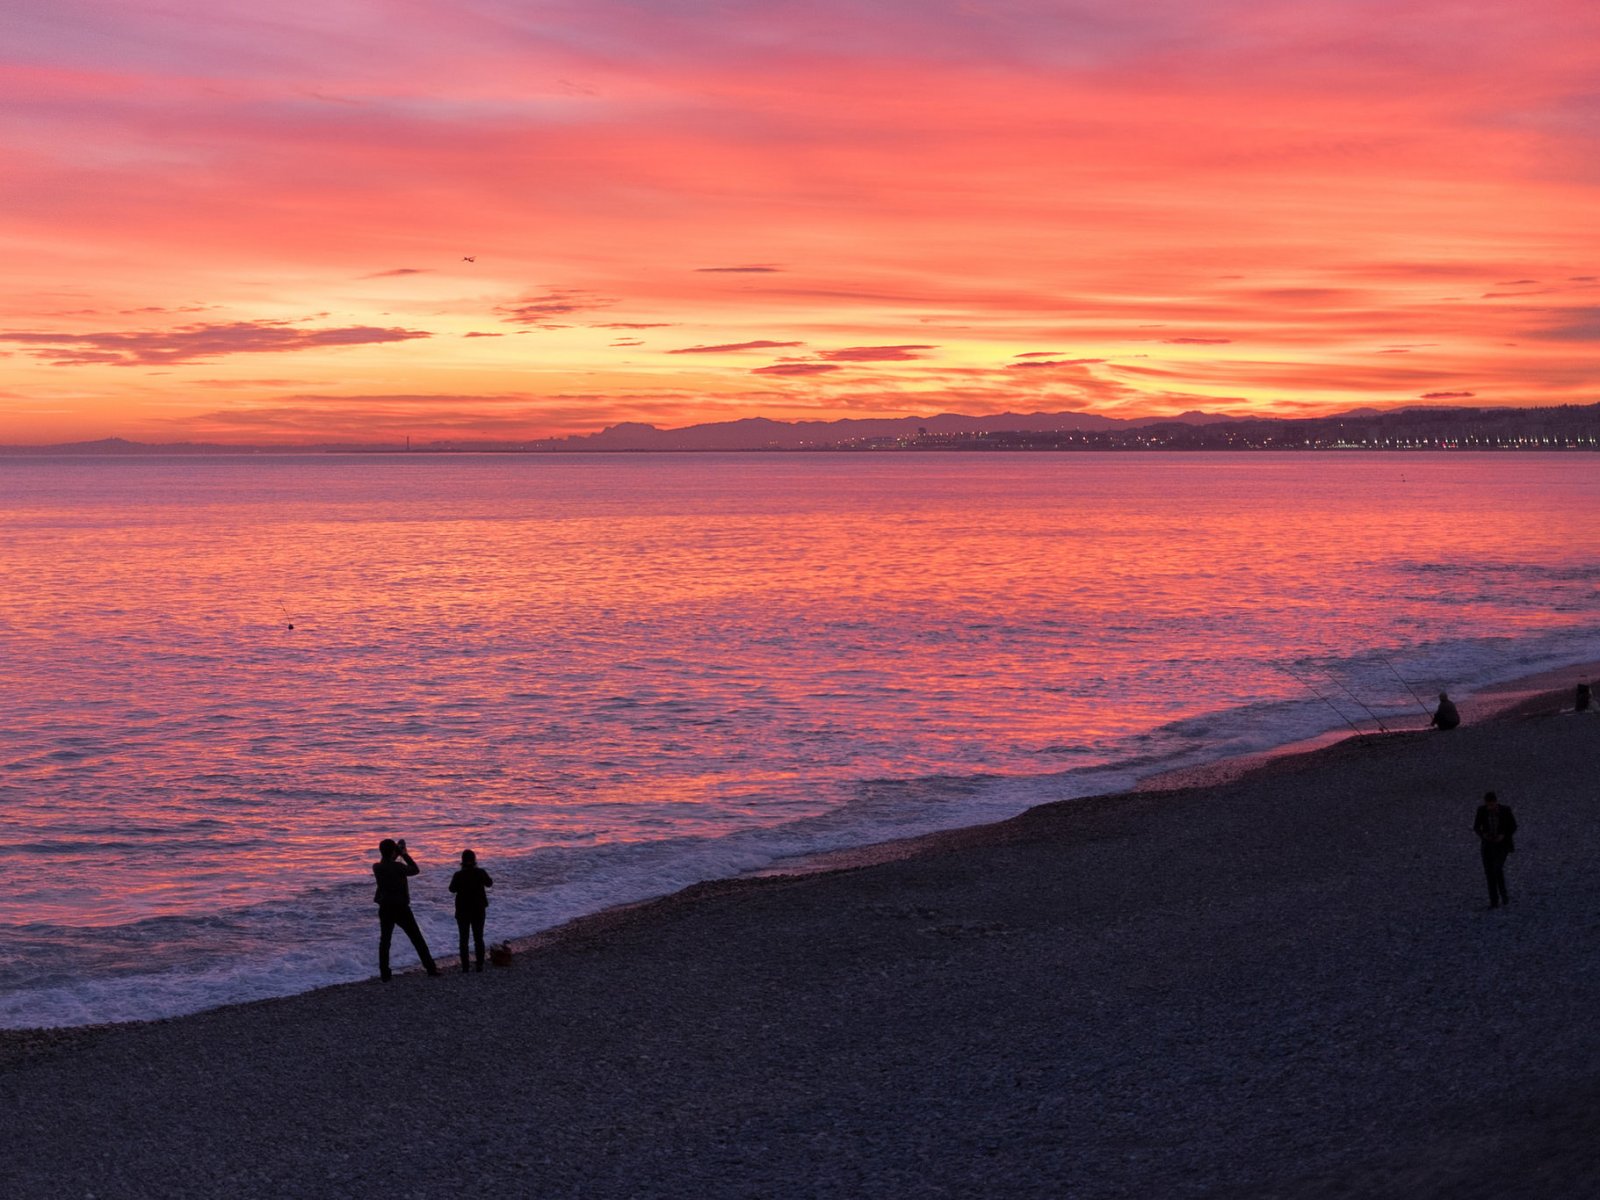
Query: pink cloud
1055,362
537,310
795,368
734,347
195,343
875,353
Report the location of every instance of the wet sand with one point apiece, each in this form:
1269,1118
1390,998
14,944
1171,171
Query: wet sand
1285,983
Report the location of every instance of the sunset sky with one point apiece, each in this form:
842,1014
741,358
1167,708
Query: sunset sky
293,221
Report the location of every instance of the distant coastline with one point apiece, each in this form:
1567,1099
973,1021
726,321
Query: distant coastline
1567,427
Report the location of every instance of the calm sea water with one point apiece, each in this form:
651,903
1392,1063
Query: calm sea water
613,676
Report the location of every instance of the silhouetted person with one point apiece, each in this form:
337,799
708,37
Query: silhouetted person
394,904
1495,826
471,885
1580,702
1446,716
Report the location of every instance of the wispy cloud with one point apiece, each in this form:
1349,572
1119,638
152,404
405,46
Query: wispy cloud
874,353
796,369
1050,363
734,347
196,343
1570,325
539,310
752,270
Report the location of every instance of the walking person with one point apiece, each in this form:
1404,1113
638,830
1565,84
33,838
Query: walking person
1495,826
471,886
393,898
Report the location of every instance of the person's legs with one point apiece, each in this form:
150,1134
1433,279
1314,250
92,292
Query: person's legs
1492,860
477,940
385,936
1500,873
461,927
407,920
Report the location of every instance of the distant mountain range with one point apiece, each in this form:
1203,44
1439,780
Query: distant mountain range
1567,426
747,433
762,433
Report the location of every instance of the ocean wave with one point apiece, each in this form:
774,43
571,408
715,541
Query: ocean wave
59,975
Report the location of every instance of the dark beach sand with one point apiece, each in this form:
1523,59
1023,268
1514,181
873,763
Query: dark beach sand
1280,985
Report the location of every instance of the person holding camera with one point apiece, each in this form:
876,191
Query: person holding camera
393,898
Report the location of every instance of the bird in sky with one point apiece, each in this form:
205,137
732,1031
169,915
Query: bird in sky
469,258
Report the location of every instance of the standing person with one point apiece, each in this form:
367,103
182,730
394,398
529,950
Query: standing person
393,898
1581,698
1446,716
1495,825
471,884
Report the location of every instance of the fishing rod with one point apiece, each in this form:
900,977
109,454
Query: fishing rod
1378,720
1307,684
1408,687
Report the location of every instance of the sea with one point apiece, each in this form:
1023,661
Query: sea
226,678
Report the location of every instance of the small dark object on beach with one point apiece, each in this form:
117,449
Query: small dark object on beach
500,954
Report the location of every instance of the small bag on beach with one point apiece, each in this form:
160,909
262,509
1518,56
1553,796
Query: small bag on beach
500,954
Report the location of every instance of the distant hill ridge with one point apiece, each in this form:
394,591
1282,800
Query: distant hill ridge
760,433
1574,425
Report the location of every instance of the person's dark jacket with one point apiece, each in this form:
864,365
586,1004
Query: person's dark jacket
1505,823
393,889
471,884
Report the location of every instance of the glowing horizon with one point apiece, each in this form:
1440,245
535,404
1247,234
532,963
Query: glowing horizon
500,220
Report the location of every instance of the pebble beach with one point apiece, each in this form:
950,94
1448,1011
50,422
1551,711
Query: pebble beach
1285,983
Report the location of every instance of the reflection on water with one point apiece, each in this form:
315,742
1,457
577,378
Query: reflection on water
531,654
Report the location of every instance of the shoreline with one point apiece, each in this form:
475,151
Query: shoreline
1541,693
1272,985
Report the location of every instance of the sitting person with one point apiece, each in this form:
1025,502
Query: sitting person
1446,717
